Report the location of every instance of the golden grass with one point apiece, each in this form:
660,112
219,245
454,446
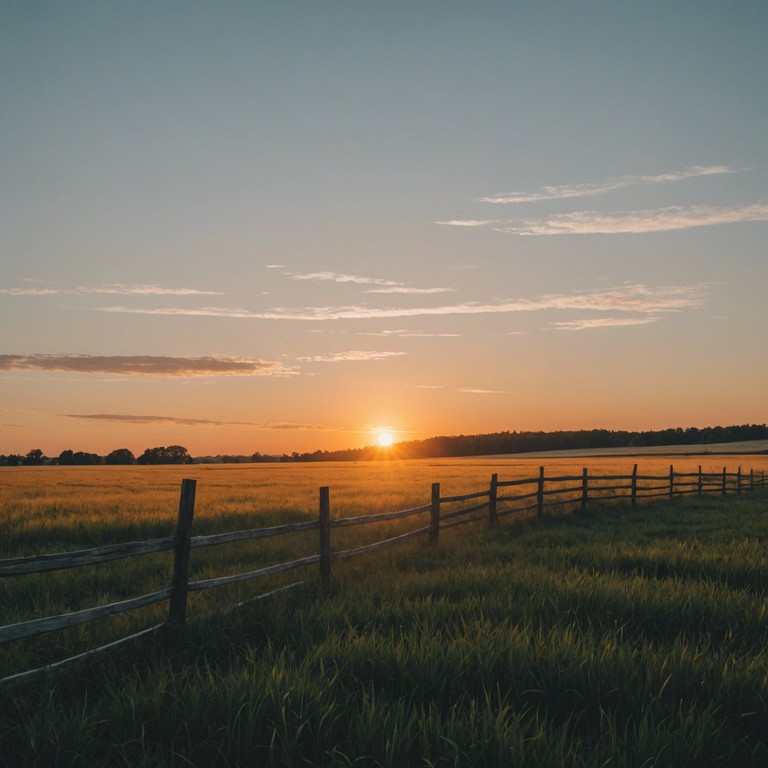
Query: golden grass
140,502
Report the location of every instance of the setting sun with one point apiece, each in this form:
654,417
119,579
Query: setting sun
385,439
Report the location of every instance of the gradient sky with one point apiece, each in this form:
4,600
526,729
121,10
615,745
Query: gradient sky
278,226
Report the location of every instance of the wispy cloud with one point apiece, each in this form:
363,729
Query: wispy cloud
626,298
467,222
483,391
409,334
383,286
428,386
637,222
351,356
337,277
601,188
111,288
142,290
146,365
604,322
187,422
29,291
405,289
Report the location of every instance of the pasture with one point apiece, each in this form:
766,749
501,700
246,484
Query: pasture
616,637
48,508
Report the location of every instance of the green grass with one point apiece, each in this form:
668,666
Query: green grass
619,637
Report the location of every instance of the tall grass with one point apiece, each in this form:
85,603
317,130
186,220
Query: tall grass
619,637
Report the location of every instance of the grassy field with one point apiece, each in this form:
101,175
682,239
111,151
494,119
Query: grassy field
618,637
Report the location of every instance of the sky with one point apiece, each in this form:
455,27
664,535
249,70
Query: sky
289,226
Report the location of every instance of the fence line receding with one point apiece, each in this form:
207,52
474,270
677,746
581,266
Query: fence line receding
498,502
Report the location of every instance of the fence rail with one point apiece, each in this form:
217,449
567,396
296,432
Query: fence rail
592,488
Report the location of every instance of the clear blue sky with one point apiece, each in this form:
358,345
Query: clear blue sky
287,225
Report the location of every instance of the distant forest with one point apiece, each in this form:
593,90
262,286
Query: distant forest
431,448
526,442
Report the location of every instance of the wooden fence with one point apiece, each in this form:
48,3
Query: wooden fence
576,490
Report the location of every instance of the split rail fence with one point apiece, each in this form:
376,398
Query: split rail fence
497,502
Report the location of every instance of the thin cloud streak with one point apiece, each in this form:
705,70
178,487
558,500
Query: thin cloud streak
142,290
384,286
146,365
352,356
112,288
406,290
337,277
29,292
566,191
409,334
604,322
628,298
637,222
483,391
467,222
187,422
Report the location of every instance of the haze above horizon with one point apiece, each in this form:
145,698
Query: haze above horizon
294,226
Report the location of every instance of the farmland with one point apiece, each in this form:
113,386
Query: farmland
621,636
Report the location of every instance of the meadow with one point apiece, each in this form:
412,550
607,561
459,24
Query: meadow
615,637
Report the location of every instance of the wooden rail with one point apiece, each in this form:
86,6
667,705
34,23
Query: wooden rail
578,490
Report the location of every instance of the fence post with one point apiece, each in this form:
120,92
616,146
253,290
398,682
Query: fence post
762,485
725,480
701,482
584,489
634,485
540,494
177,609
325,536
738,481
751,479
493,518
434,525
671,481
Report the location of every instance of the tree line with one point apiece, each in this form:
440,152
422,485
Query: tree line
172,454
526,442
430,448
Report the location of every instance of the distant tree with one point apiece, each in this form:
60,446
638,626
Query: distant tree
177,454
120,456
66,458
14,460
150,456
34,458
85,459
173,454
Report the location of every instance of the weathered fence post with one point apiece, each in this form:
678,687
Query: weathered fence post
540,494
584,489
177,610
701,482
325,536
725,480
738,480
751,479
434,524
493,518
634,485
762,484
671,481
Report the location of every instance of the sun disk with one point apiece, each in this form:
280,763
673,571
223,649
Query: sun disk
385,439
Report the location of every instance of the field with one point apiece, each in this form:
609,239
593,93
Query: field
618,637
